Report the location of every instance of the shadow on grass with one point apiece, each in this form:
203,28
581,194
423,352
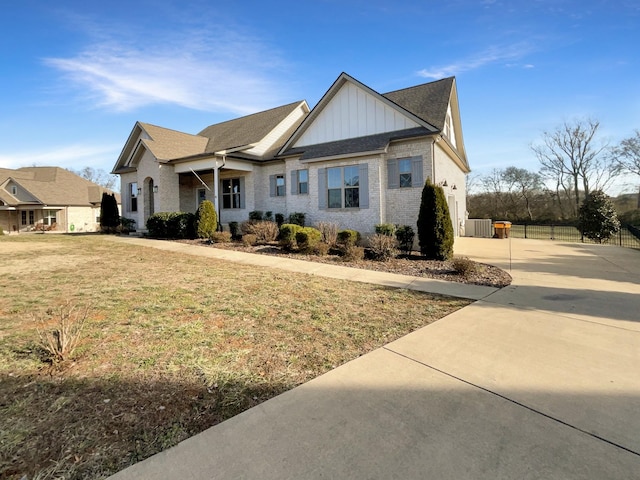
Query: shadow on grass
92,427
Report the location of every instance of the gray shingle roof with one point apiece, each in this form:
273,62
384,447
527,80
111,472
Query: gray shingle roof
53,186
428,101
369,143
166,144
245,130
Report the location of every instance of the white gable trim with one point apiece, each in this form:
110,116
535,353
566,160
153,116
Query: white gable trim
353,112
327,99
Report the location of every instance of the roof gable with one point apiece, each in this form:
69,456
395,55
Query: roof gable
350,109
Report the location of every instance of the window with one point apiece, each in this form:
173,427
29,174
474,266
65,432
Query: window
49,217
343,187
277,186
31,217
24,217
404,172
299,182
133,197
14,190
232,193
404,168
201,196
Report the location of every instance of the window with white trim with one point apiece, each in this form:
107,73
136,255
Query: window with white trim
49,217
343,187
231,193
405,172
277,187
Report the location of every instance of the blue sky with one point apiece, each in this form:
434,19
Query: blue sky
77,75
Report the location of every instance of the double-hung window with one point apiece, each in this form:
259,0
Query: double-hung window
405,172
344,187
277,186
49,217
300,182
231,193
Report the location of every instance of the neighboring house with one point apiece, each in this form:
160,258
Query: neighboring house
359,158
48,198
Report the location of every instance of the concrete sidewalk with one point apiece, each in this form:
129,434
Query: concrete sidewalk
538,380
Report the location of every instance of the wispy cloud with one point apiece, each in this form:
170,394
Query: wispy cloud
195,70
67,156
489,56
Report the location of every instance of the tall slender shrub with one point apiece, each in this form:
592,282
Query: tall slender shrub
207,220
109,214
435,231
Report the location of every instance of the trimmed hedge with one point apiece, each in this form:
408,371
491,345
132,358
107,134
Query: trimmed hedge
288,233
307,238
171,225
348,238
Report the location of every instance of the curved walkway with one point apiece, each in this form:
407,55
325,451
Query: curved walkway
538,380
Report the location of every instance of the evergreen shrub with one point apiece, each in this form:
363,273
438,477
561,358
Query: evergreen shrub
288,235
297,218
385,229
307,238
597,217
207,220
435,231
405,236
348,238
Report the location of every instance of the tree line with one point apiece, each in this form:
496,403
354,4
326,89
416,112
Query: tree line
574,162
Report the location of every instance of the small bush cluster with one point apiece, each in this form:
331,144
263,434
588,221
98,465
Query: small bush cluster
387,229
405,236
249,239
329,232
172,225
288,233
352,253
265,231
307,238
221,237
383,247
234,229
348,238
297,218
463,266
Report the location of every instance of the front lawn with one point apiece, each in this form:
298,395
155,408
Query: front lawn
173,345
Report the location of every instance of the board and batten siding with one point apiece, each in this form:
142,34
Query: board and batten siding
352,113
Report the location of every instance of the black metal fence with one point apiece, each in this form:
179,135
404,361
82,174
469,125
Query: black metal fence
628,236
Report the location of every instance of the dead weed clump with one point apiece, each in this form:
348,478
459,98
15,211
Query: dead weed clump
60,330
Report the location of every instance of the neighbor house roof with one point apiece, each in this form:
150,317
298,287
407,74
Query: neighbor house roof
53,186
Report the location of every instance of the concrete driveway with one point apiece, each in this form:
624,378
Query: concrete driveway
538,380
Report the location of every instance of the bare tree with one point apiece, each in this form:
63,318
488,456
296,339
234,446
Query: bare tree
627,154
525,184
98,176
573,158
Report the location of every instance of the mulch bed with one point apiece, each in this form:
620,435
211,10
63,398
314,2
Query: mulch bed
413,265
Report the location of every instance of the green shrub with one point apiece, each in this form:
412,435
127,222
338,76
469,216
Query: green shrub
463,266
127,225
268,216
385,229
109,214
207,220
348,238
171,225
288,235
435,231
352,253
279,219
297,218
221,237
234,228
307,238
249,240
256,215
405,236
597,217
383,247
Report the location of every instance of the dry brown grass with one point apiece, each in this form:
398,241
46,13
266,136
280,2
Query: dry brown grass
174,345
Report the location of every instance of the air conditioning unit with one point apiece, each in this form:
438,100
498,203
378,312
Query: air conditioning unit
478,227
